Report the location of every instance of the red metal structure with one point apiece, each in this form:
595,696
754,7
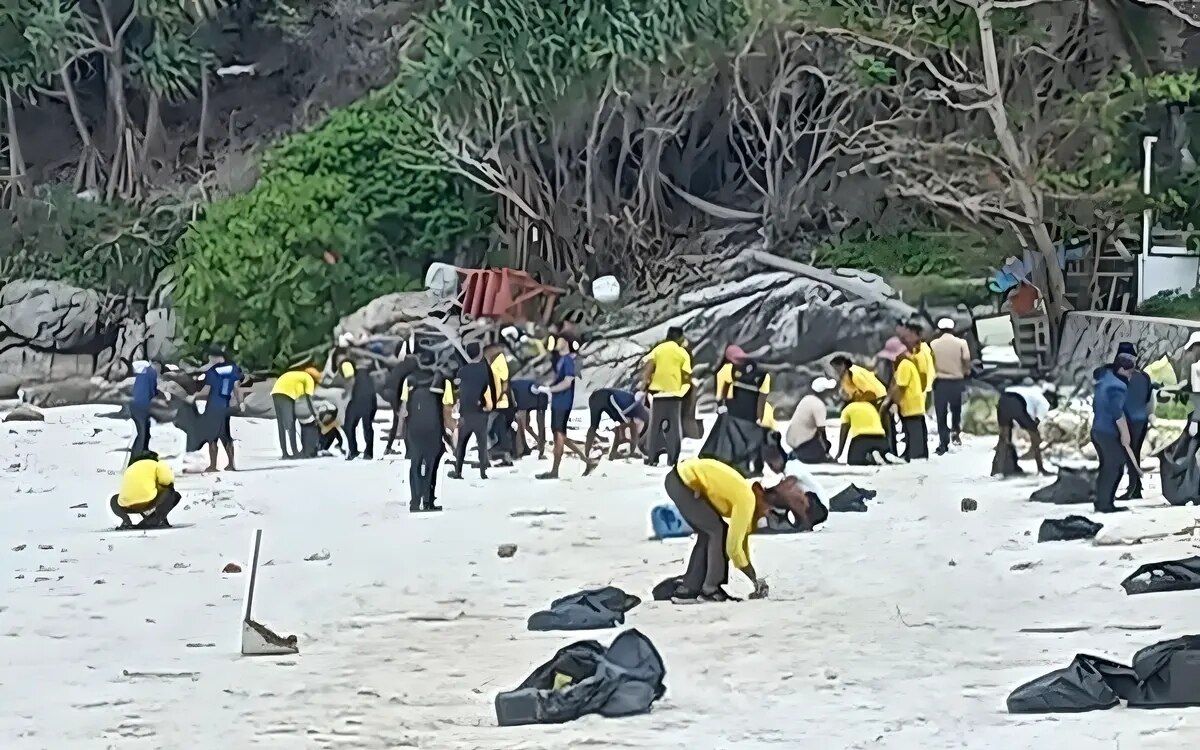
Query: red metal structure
506,295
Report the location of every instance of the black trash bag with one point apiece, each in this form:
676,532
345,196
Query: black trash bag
586,610
1068,529
665,589
585,678
200,428
1168,674
1159,577
1088,684
734,441
1071,487
1179,469
1005,462
851,500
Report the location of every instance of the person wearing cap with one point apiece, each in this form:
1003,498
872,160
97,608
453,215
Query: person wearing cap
1139,405
952,367
1024,405
907,393
742,426
857,383
224,397
626,408
290,388
806,431
722,508
1110,430
667,377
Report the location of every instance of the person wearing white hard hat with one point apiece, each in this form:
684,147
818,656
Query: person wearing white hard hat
805,433
952,367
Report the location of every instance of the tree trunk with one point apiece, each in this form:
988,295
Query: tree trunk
88,171
1031,205
16,160
201,136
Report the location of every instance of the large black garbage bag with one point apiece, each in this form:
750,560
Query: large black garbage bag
1173,575
1005,462
584,678
1180,470
1088,684
200,428
1168,674
1068,529
737,442
585,610
851,500
1073,486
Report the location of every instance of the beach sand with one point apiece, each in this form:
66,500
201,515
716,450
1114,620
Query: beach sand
895,628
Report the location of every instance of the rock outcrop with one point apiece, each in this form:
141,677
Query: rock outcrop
24,413
1089,339
52,332
391,314
793,324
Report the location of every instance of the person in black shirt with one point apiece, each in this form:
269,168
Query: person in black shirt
476,390
426,430
361,409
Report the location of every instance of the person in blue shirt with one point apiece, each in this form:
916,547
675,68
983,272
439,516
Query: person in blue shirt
145,388
1110,430
562,400
224,398
626,408
1139,398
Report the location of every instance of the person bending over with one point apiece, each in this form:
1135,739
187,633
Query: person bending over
708,492
1024,405
148,490
331,432
626,408
862,432
292,386
531,410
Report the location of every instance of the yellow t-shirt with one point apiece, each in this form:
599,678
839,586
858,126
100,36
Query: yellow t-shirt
768,419
500,378
294,384
863,419
911,401
671,363
923,359
725,382
730,495
142,481
447,392
860,380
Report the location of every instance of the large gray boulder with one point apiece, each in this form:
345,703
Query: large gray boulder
391,314
1089,339
793,324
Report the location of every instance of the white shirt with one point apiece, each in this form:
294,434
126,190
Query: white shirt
1035,401
807,421
804,478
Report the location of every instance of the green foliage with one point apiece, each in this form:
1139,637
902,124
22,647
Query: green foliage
941,24
1172,303
253,271
906,254
117,247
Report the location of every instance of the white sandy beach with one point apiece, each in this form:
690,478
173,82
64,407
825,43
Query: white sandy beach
896,628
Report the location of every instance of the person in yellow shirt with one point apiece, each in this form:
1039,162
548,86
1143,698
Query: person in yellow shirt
706,491
907,393
667,378
863,434
501,426
912,334
147,489
291,387
857,383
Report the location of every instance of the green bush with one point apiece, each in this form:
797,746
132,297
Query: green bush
1172,303
254,273
906,254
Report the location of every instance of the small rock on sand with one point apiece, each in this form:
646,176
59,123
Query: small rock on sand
24,413
506,550
232,568
318,556
969,504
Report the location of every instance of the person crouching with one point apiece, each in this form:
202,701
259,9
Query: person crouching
147,489
706,491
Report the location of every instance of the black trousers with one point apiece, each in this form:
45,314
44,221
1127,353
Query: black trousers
1112,465
472,423
708,567
862,449
360,414
140,414
502,430
153,513
813,451
947,403
665,431
1137,438
425,451
916,437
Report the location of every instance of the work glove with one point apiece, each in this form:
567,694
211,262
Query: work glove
761,589
1193,429
721,409
542,389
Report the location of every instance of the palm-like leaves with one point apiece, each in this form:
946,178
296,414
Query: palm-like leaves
36,39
